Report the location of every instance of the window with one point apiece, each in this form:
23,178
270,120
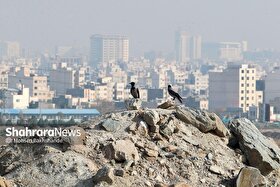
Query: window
248,78
253,98
242,105
253,84
242,78
247,91
242,91
253,78
17,100
247,71
242,98
248,85
247,98
242,71
35,88
242,85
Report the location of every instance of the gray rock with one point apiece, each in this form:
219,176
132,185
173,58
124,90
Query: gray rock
104,174
250,177
121,150
166,105
260,151
168,128
133,104
119,172
143,128
151,117
202,120
111,125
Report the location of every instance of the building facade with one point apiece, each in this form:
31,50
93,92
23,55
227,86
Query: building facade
106,48
235,87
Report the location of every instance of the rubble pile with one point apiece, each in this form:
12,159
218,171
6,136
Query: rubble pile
177,146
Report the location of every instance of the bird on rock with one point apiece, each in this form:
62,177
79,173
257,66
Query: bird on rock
174,94
134,91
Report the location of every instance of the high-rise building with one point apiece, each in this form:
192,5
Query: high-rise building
235,87
106,48
195,47
182,46
9,49
187,47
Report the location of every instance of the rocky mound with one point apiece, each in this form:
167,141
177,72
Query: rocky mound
149,147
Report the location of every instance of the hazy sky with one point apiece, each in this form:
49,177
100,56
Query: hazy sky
150,24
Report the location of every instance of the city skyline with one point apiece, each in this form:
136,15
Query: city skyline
149,25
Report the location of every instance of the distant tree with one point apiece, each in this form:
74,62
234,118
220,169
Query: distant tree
41,122
46,122
71,122
32,121
21,122
9,122
2,120
54,123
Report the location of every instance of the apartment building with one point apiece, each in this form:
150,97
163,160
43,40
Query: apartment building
234,87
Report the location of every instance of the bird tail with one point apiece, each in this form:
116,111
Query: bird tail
180,99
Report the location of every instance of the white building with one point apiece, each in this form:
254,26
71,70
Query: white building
234,87
106,48
38,85
17,100
195,47
232,51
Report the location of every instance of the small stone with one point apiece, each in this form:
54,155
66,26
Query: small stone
121,150
104,174
143,129
111,125
180,184
216,170
203,180
127,164
119,172
210,156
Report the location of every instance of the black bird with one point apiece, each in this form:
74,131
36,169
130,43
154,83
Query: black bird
134,91
173,94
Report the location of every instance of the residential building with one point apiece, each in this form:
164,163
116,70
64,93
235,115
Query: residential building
39,89
17,100
187,47
232,51
106,48
235,87
3,79
9,49
272,88
62,78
